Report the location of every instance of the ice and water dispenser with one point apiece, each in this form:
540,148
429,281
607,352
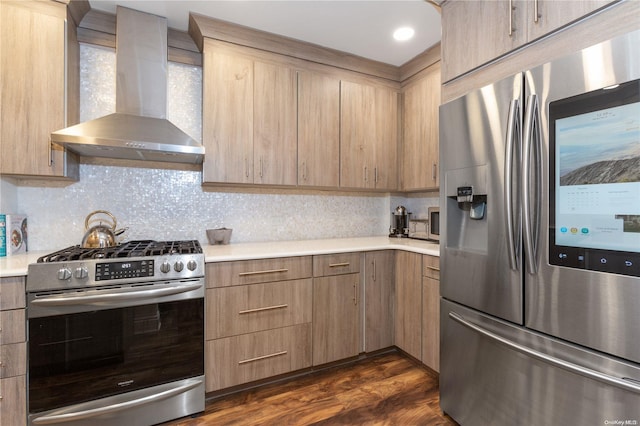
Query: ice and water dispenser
466,212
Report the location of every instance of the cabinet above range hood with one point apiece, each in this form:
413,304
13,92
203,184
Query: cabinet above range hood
138,130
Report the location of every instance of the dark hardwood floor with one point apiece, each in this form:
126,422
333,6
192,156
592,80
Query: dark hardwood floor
388,389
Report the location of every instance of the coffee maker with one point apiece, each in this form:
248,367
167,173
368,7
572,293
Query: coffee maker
399,222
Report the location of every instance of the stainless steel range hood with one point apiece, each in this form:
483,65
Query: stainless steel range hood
138,130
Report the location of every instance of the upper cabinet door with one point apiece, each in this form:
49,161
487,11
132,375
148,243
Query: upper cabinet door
420,169
356,134
475,32
227,125
32,88
318,130
552,14
369,136
274,132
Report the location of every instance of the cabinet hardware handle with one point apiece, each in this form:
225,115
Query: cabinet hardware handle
374,270
246,168
304,171
434,171
355,294
268,271
258,358
536,12
365,173
511,9
261,168
375,175
50,159
433,268
267,308
335,265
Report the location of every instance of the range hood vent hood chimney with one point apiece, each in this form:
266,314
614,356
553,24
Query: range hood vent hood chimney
138,130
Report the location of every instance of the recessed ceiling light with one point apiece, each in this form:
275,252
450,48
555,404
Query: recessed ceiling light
403,33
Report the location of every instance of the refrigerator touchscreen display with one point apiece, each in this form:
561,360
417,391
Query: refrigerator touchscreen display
595,201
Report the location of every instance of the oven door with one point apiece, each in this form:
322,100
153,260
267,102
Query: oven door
97,353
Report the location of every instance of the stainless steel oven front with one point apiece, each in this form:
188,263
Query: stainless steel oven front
127,351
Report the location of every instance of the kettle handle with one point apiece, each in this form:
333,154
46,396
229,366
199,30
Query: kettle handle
113,218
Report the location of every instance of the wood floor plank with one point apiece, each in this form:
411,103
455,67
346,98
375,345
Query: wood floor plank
389,389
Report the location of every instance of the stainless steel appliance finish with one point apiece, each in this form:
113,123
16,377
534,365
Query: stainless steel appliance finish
524,341
138,130
116,335
434,224
399,222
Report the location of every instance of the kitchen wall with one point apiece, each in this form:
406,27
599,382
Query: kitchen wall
172,204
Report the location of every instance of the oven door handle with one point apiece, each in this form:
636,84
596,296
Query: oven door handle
113,296
94,412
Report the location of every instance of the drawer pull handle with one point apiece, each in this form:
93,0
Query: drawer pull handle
268,271
433,268
336,265
258,358
267,308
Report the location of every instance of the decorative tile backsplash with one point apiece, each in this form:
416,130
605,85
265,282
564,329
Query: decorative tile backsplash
171,204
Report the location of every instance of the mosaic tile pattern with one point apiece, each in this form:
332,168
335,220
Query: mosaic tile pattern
172,204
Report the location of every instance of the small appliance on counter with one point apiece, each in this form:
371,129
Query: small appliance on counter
399,222
419,229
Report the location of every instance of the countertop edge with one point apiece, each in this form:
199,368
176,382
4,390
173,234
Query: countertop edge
17,266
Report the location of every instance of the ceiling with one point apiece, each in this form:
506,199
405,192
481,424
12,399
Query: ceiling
360,27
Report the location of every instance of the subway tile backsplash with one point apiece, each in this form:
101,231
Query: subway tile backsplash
171,204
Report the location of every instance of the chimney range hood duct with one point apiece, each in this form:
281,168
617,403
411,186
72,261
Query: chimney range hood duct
138,130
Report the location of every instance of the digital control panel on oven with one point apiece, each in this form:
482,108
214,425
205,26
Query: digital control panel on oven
127,269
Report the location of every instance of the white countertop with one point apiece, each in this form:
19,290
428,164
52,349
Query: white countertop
13,266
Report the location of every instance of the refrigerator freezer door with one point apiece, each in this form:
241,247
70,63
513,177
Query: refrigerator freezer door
595,309
495,373
480,151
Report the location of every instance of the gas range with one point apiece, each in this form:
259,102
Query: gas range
130,262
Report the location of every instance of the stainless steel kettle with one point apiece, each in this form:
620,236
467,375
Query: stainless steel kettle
101,235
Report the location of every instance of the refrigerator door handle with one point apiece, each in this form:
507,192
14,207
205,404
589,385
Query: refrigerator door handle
531,142
623,383
513,130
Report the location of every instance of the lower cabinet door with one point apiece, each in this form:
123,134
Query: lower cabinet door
241,359
335,317
13,402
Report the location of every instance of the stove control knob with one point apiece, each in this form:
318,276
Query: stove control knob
165,267
64,273
178,266
81,273
192,265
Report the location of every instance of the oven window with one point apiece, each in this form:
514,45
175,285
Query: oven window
83,356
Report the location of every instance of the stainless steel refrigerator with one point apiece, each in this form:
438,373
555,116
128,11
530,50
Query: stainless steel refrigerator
540,244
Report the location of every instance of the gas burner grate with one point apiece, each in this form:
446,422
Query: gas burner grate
128,249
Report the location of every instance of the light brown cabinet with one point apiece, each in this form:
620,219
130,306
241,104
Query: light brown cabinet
336,300
369,139
431,312
379,299
408,306
13,351
258,319
420,144
249,119
476,32
35,52
318,130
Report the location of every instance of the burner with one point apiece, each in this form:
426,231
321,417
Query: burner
129,249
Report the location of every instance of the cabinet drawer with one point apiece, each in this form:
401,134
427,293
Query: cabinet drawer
246,309
12,326
13,360
336,264
224,274
431,267
12,293
242,359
